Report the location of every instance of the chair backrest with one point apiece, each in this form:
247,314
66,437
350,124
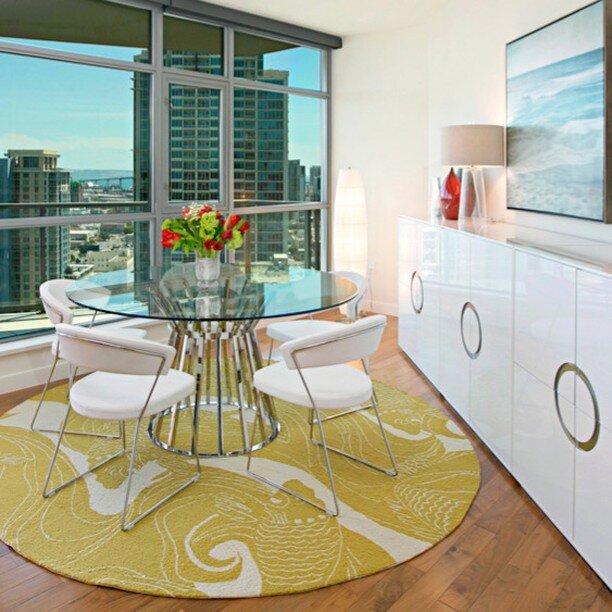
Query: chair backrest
354,306
55,302
355,341
106,352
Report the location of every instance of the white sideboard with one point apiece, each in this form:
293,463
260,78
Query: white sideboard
514,327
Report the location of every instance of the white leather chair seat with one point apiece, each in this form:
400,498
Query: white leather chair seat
134,333
335,386
290,330
115,397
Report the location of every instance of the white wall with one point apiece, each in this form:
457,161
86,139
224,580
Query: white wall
467,84
380,127
394,90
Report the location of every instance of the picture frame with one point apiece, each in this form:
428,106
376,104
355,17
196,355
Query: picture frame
558,120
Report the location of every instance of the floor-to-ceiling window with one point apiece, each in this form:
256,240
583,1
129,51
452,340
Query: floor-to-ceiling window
114,115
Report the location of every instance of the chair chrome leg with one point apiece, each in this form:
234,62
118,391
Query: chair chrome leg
63,431
290,491
270,352
374,406
393,472
44,393
127,526
328,465
36,429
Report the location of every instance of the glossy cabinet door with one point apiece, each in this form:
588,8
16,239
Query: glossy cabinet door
491,285
408,264
593,496
545,317
426,297
594,343
407,249
418,295
543,456
454,373
593,491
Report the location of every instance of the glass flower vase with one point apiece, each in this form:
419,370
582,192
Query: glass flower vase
207,269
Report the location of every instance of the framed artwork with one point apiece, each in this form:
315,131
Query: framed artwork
557,128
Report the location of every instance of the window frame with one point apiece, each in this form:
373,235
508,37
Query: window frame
161,76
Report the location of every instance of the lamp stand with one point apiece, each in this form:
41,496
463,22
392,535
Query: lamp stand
472,177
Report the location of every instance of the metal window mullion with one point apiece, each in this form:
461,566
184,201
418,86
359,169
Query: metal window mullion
159,149
263,86
74,58
142,4
262,210
276,208
326,169
180,73
216,80
229,135
36,222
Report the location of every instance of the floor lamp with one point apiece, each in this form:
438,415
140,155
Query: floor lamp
350,225
350,235
473,147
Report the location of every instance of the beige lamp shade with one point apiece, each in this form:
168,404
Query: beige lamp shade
350,223
473,145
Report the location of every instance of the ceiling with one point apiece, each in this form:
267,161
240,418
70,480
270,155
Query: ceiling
340,17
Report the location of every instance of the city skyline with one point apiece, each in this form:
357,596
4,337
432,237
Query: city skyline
93,122
90,123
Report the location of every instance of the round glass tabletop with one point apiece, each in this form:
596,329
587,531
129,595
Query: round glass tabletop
174,293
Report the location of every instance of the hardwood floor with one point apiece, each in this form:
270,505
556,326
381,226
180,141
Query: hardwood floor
506,555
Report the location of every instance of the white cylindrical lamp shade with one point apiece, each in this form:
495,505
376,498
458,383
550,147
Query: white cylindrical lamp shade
472,145
350,232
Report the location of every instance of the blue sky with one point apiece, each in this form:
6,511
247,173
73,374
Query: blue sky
86,113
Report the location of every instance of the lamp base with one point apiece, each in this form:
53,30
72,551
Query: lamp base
472,202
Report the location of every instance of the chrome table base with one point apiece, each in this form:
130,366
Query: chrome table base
223,357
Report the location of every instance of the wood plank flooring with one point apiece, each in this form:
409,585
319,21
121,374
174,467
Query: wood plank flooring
506,555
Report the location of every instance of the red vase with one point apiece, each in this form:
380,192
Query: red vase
450,194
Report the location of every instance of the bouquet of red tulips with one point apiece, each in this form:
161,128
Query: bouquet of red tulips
203,230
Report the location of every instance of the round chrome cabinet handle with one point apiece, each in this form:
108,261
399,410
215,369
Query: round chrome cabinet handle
586,445
471,354
418,309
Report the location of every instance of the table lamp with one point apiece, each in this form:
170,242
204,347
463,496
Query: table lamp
473,147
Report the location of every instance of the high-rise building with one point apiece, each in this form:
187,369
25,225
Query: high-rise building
314,184
4,234
263,173
261,156
29,257
4,181
261,147
297,181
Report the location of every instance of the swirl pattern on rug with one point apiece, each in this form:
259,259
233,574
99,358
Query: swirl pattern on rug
229,535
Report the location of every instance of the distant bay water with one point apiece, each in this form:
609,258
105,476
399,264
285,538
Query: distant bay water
556,137
97,174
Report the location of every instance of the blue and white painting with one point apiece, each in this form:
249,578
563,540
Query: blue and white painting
556,103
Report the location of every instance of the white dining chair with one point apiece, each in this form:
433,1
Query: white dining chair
314,374
59,309
132,379
284,331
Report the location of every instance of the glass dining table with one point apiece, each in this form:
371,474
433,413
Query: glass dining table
212,328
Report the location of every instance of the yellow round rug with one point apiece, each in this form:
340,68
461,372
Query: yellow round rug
229,535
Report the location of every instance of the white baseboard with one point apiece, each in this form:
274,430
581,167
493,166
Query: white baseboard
29,377
386,308
29,367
